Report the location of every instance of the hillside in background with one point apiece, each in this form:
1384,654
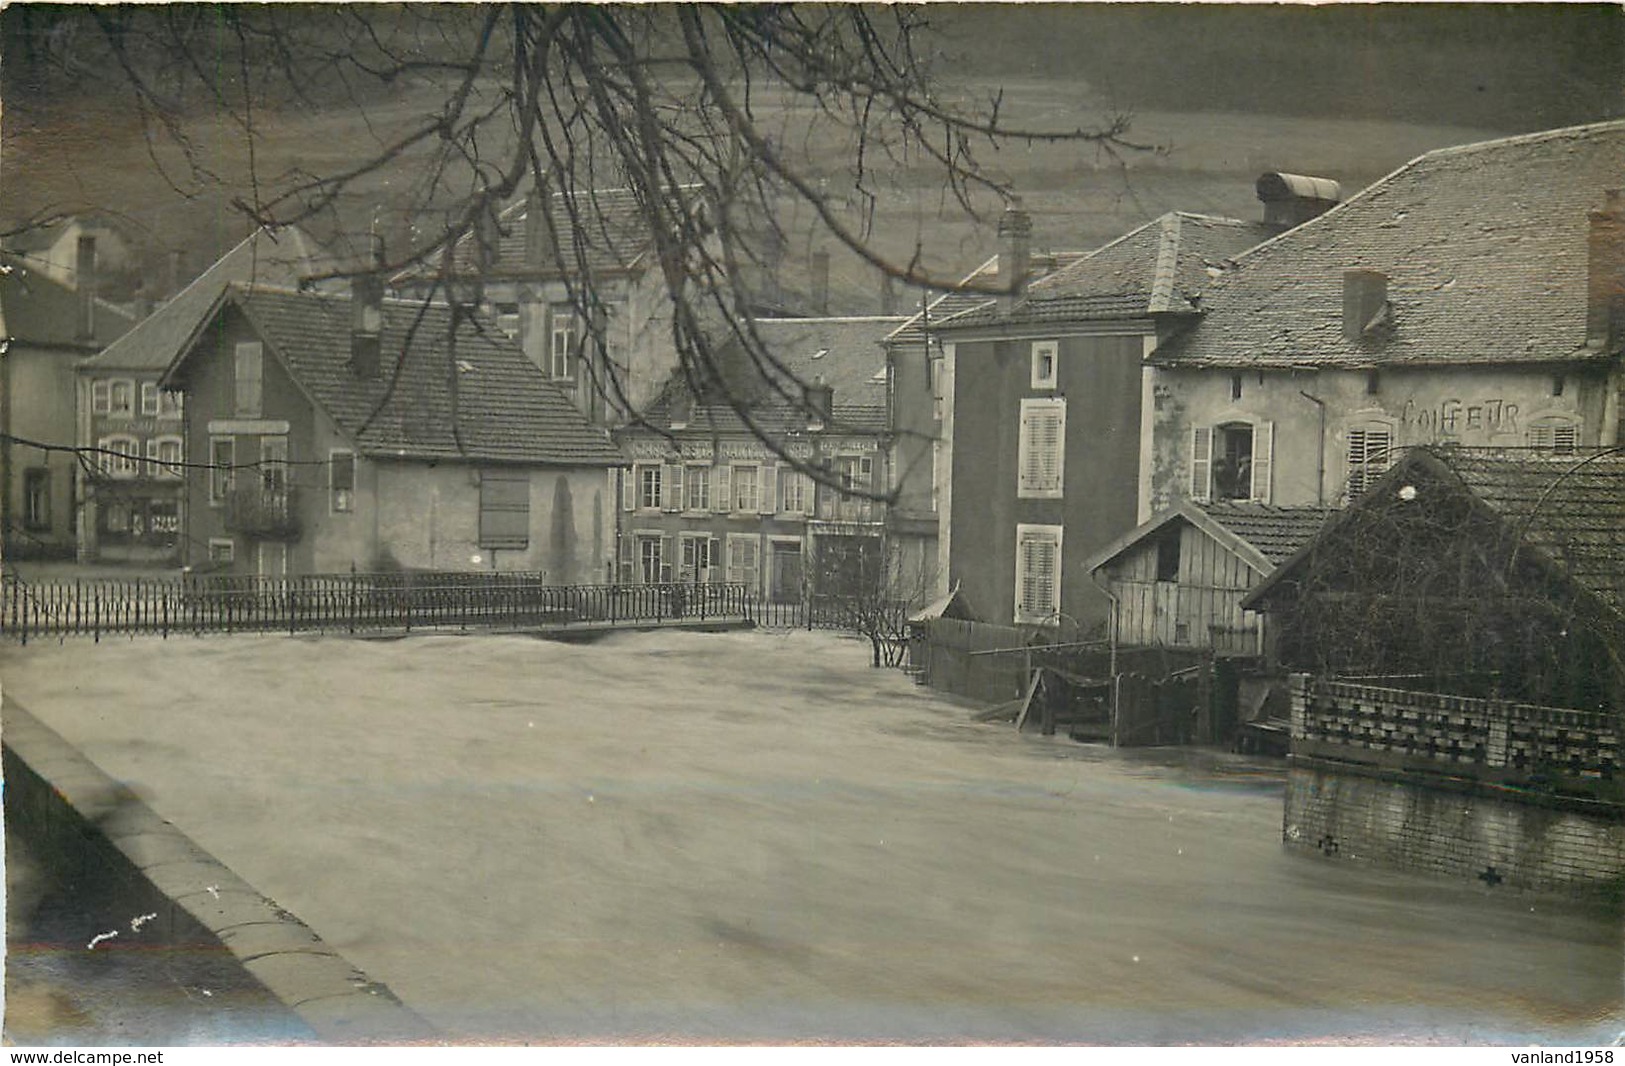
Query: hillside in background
1224,92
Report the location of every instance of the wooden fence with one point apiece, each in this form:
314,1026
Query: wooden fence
352,603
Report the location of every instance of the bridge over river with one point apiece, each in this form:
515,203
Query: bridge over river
755,836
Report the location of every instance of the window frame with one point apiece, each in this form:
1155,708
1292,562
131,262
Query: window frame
490,506
248,388
222,474
149,392
122,457
37,490
337,504
222,550
697,476
128,408
736,504
101,396
1054,535
1360,473
736,571
1042,351
648,494
561,364
1033,480
1556,425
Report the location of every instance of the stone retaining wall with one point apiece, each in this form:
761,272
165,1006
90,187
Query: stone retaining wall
86,825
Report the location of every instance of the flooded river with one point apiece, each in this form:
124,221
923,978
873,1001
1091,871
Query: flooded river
757,837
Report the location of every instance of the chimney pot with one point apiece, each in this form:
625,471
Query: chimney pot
366,324
1015,254
1293,199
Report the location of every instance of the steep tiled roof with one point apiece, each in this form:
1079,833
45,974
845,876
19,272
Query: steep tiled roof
845,353
1261,535
1571,510
950,304
1163,266
1484,247
609,234
506,410
35,309
267,257
1568,510
1277,532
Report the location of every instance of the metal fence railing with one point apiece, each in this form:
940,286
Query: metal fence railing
349,603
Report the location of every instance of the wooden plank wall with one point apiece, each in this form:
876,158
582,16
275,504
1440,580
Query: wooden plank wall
1201,610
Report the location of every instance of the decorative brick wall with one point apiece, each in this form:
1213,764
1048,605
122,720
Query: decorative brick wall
1508,793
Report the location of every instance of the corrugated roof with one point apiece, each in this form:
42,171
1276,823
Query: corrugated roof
1484,247
506,409
1162,267
36,309
282,257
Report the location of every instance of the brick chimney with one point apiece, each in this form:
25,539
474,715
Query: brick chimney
1015,254
367,316
820,403
1292,199
1605,282
84,269
1365,302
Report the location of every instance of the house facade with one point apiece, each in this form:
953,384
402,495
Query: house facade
1470,298
1048,409
746,486
134,493
344,433
527,271
46,328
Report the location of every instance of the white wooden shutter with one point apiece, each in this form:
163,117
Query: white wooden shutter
1201,462
671,487
628,559
665,559
809,495
1037,573
766,483
1042,448
1263,461
722,488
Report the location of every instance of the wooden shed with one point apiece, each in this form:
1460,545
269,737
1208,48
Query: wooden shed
1178,580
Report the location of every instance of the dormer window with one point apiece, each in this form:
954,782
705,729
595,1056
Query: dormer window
1365,302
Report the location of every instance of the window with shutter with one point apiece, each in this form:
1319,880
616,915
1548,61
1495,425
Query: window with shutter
1038,574
697,488
649,490
101,397
1201,486
1370,453
250,369
629,488
1263,461
1042,450
766,478
671,498
744,560
1555,434
744,484
504,509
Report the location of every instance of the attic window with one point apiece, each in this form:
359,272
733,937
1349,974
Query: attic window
1557,384
1235,386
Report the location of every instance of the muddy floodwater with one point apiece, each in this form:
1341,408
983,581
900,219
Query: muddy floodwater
756,836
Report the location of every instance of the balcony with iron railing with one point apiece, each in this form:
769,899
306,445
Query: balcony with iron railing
266,512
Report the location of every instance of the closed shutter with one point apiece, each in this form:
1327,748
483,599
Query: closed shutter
809,495
629,488
782,490
1369,454
713,561
1263,456
1038,566
1201,462
665,559
504,509
628,559
1042,447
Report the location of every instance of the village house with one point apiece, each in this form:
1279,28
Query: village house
56,251
916,402
526,269
1046,411
742,480
46,327
134,492
1471,297
346,432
